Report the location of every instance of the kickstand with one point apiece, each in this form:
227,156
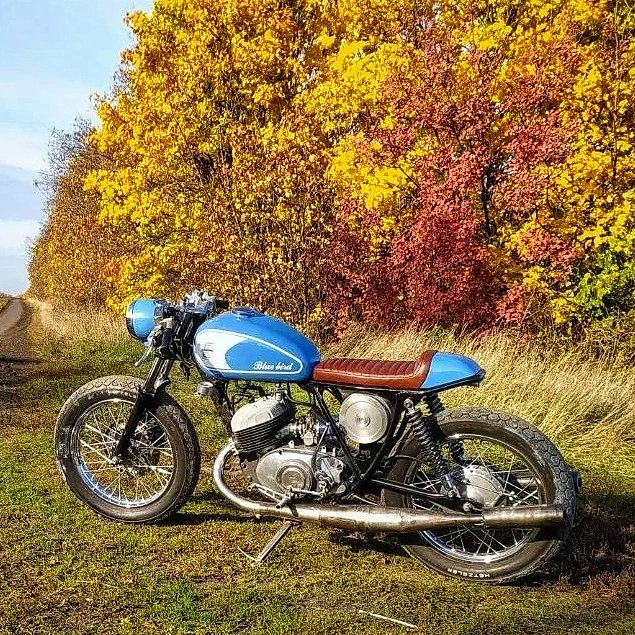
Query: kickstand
287,525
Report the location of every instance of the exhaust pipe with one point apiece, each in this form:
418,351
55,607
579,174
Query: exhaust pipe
386,519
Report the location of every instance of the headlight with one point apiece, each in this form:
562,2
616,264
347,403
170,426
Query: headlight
142,315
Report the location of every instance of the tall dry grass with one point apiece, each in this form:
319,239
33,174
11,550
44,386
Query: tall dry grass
587,406
71,323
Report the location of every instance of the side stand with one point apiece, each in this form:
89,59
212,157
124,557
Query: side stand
287,525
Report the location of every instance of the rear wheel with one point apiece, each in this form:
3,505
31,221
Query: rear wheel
160,470
505,462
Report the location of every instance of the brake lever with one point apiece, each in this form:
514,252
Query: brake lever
145,356
150,346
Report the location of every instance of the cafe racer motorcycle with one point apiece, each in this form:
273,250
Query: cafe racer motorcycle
357,444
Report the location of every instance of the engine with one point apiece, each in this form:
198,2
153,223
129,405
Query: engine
284,454
259,424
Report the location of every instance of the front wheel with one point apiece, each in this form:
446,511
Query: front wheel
160,470
495,460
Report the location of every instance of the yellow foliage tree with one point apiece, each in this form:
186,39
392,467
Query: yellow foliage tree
72,258
246,138
220,167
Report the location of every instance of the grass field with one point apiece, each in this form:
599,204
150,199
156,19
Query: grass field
65,570
4,300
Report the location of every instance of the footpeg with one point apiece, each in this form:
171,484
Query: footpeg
276,539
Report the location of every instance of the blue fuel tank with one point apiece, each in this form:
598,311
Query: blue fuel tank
246,344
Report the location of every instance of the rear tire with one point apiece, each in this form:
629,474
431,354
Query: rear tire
164,464
552,484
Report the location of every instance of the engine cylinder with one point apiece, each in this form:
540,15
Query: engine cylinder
254,426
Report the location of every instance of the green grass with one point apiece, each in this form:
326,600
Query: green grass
65,570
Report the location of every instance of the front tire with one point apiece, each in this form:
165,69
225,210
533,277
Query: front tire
161,469
521,466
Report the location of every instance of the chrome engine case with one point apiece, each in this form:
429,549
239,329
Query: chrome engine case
278,451
284,468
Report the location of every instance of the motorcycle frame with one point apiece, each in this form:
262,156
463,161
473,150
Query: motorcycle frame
374,474
368,479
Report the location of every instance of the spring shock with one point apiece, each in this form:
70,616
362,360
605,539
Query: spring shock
424,433
433,402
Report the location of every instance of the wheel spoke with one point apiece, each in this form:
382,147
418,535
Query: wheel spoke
527,497
142,475
495,475
96,451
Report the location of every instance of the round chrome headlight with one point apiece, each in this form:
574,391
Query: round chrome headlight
142,315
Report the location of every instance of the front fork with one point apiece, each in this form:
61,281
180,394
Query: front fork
157,379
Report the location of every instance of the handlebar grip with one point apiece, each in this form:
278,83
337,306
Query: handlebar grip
166,341
222,304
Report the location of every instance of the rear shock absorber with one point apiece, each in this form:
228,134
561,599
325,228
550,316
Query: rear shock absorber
433,402
429,446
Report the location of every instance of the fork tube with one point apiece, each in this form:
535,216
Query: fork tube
156,379
159,371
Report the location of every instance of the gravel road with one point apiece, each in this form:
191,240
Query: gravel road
15,358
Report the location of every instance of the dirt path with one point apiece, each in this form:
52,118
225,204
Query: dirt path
15,358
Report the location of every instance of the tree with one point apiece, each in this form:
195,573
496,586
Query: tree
71,258
400,162
446,178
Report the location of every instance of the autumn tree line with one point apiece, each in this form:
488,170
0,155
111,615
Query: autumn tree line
386,161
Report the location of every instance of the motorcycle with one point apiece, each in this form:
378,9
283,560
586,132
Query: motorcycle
355,444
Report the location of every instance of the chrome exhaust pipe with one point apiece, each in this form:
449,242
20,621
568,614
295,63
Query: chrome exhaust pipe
385,519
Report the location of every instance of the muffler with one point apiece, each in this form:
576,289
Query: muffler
386,519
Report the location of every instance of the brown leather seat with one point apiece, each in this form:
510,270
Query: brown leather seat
373,373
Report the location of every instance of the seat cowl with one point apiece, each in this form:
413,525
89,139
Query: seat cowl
374,373
450,370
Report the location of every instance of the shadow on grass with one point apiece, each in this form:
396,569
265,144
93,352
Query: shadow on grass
12,359
359,542
601,545
603,540
191,518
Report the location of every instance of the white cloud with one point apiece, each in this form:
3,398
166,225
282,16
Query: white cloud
36,99
15,233
22,148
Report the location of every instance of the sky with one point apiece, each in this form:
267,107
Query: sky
54,55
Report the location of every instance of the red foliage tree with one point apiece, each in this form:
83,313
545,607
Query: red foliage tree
483,149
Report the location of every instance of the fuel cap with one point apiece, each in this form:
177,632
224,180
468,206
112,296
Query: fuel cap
244,311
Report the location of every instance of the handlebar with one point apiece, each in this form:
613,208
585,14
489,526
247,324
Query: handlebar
174,322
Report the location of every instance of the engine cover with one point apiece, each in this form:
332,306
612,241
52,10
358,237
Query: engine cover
284,468
365,417
254,426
